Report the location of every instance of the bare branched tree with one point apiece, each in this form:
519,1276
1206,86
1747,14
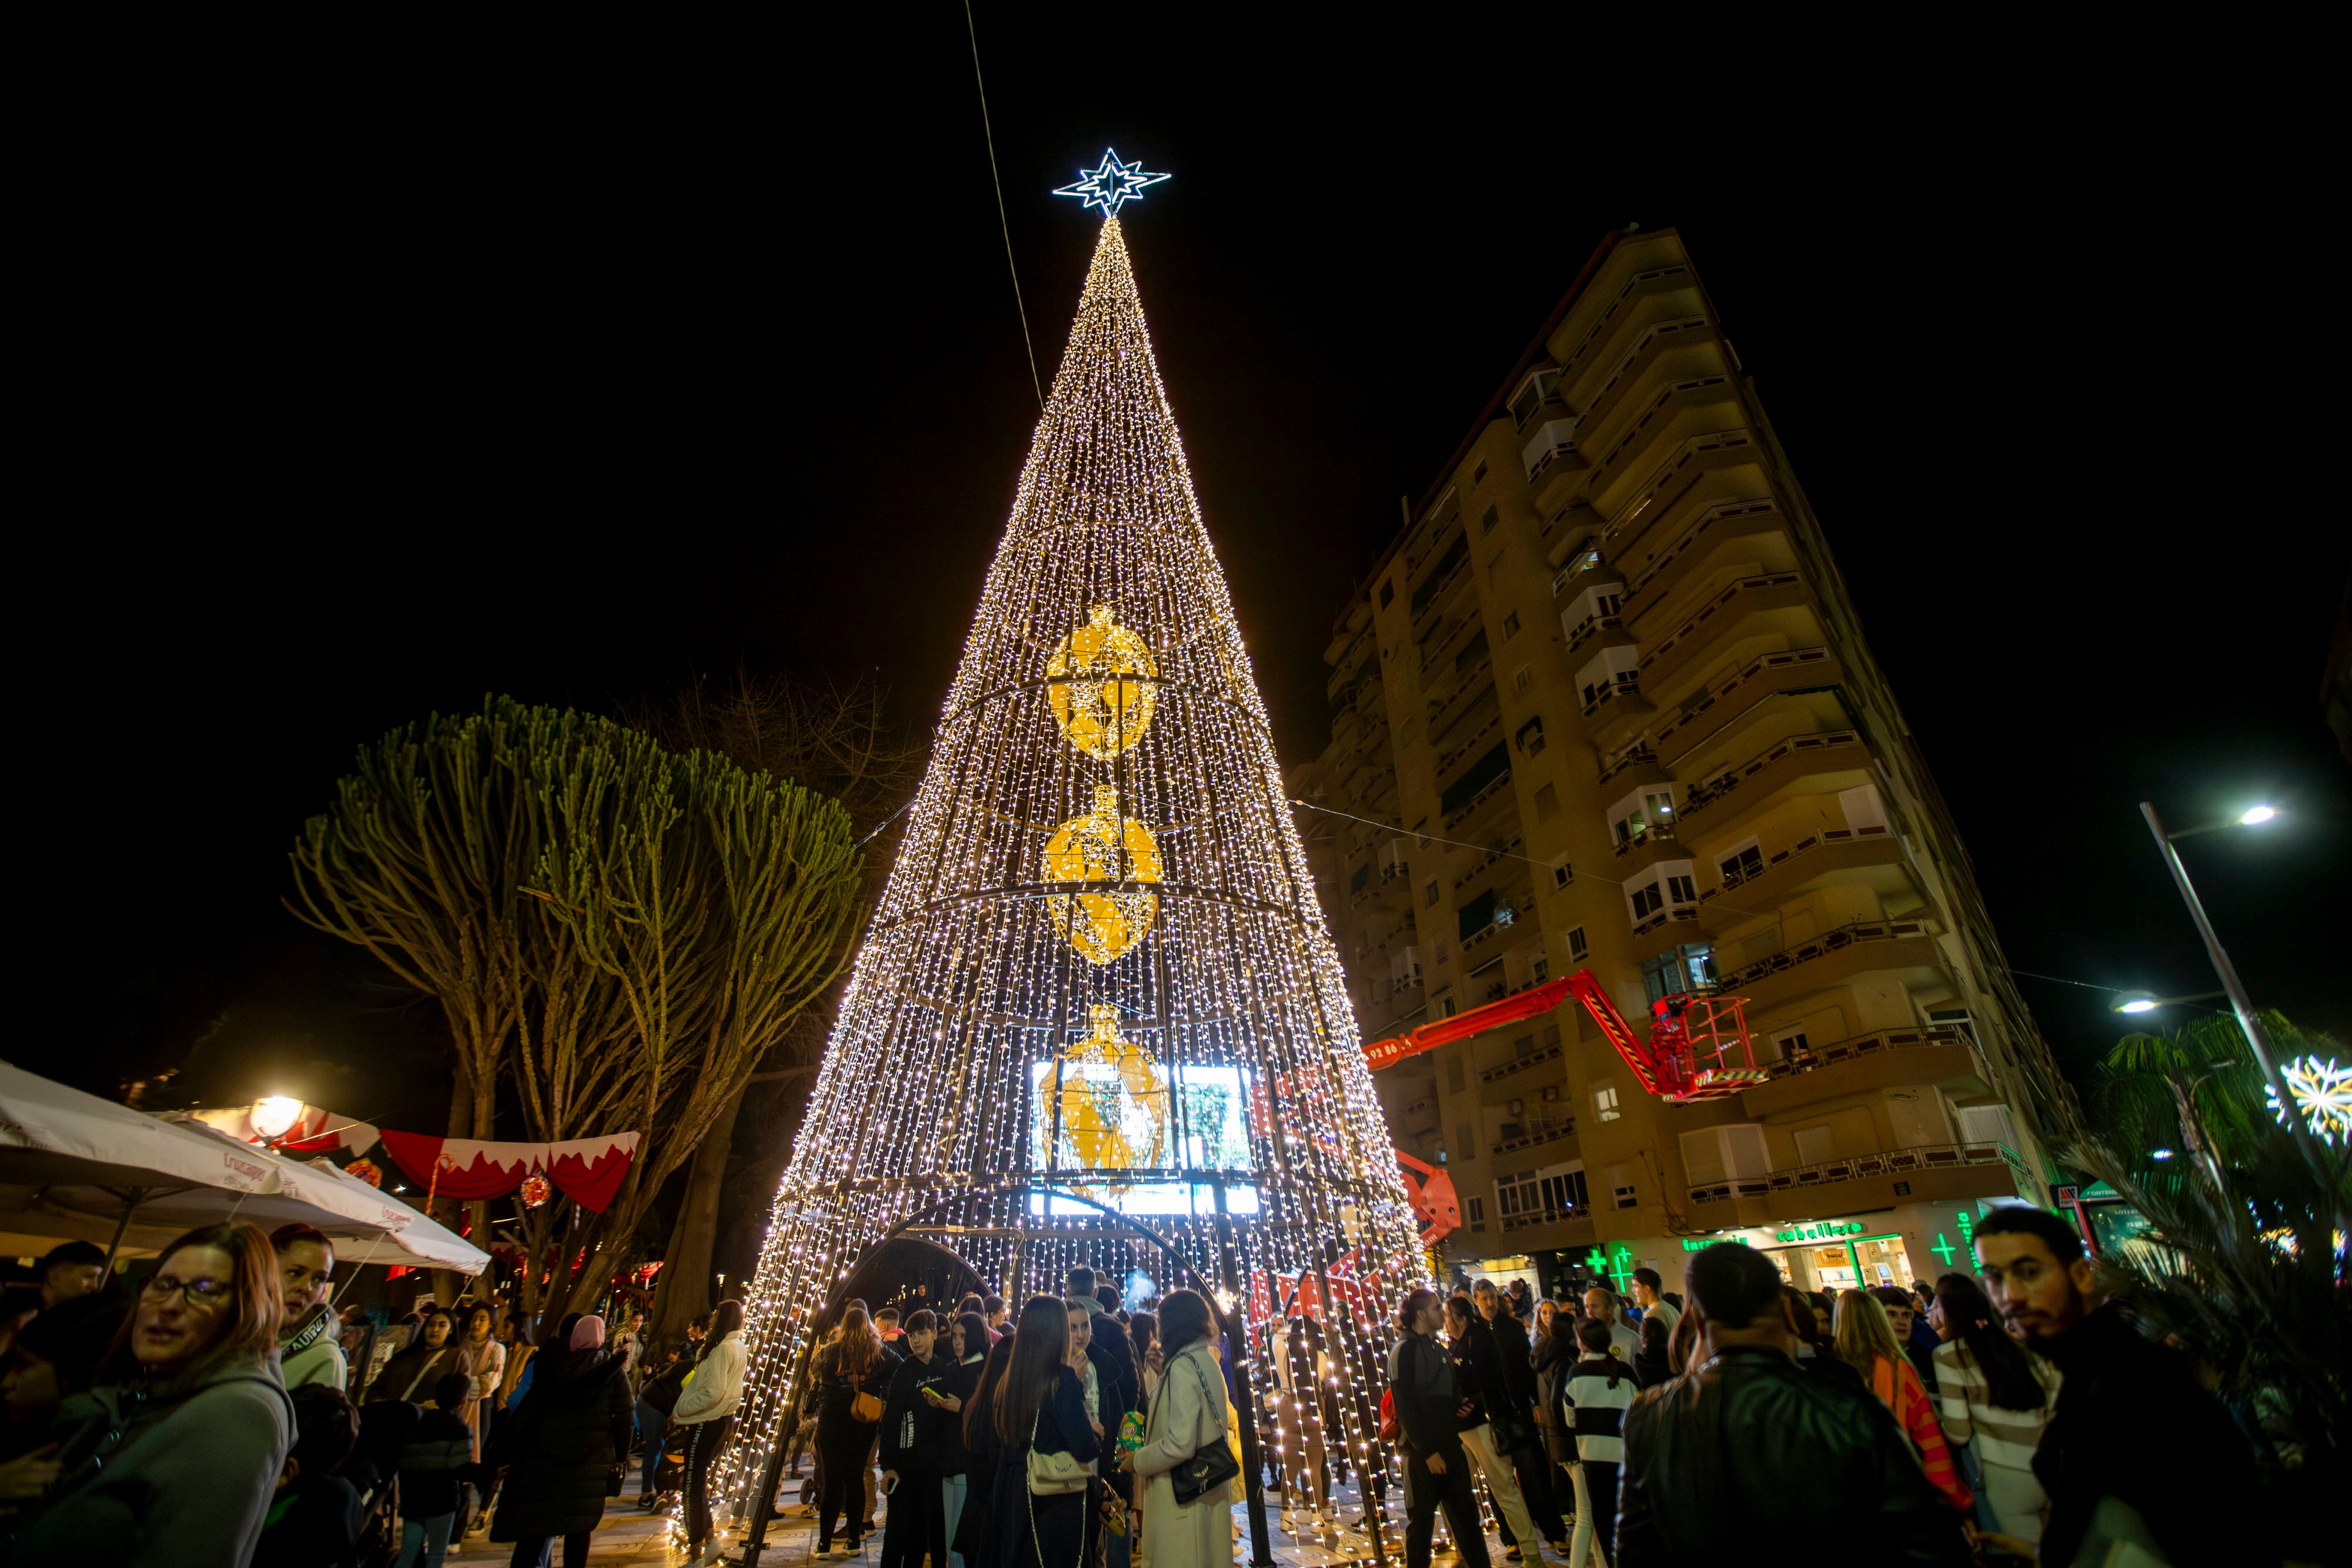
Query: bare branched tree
838,740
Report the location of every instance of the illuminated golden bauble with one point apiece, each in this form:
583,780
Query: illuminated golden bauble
1102,714
1103,925
1110,1123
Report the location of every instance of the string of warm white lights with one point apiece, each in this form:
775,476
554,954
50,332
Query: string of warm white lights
1098,967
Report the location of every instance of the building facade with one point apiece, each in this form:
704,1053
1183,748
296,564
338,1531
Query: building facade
1605,705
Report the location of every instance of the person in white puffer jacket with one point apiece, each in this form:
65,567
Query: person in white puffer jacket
706,1408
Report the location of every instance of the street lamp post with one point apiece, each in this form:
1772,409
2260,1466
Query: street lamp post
2289,1107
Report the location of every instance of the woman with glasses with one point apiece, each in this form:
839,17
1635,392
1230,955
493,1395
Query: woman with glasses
173,1457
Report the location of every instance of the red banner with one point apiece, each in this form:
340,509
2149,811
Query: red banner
590,1170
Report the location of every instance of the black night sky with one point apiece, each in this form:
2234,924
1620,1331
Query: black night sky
352,403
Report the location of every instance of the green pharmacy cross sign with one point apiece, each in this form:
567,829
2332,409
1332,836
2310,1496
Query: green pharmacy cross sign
1617,1263
1943,1248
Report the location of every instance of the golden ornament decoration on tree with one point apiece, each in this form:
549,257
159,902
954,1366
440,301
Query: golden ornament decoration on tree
1090,686
1103,847
1109,1121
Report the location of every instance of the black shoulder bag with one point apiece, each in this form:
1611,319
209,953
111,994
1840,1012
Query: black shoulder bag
1213,1463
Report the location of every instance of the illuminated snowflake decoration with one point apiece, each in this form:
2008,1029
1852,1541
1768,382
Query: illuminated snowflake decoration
2323,1091
1112,184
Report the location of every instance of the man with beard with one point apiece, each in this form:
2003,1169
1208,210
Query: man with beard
2130,1414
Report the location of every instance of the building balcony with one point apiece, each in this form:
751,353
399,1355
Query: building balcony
1441,595
1507,847
1504,1070
1623,315
1482,807
1662,417
1609,628
1654,573
1553,1229
1705,710
1861,947
1461,747
1668,927
1937,1173
1454,698
1718,619
1884,1058
1814,762
1868,856
1635,765
1639,854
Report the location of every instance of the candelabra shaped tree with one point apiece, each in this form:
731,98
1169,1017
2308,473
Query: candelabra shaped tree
1096,1018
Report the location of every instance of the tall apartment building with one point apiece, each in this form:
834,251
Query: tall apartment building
1609,702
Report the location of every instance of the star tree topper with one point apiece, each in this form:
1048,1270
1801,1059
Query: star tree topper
1110,185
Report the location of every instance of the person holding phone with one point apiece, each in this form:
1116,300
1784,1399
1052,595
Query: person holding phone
911,1461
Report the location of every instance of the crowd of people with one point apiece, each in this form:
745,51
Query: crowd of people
1074,1433
2008,1416
222,1415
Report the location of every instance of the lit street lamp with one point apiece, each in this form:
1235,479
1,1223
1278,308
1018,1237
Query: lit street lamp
2290,1108
2149,1001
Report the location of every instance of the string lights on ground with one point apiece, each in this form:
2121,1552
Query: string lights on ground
1097,975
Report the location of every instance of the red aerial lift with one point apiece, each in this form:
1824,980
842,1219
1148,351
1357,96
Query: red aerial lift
1699,1047
1434,1199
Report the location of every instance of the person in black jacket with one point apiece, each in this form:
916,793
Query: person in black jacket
315,1520
1748,1448
1519,1439
437,1457
967,1355
911,1460
1428,1417
565,1448
2128,1410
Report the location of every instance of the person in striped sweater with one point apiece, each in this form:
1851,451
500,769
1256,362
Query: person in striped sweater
1865,1342
1997,1396
1600,1387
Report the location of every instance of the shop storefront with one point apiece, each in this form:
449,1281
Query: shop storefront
1502,1271
1858,1251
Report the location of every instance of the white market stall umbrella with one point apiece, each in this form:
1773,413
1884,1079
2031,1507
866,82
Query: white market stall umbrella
72,1165
99,1156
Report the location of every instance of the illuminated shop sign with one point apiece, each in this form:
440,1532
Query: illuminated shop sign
1827,1231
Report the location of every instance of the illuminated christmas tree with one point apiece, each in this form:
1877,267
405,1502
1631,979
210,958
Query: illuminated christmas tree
1097,994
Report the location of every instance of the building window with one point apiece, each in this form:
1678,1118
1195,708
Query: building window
1647,901
1604,1103
1637,814
1361,879
1531,740
1477,473
1542,970
1577,950
1679,971
1678,888
1429,894
1740,865
1626,1198
1388,593
1521,678
1563,874
1476,1209
1510,625
1953,1017
1547,803
1446,1007
1788,1044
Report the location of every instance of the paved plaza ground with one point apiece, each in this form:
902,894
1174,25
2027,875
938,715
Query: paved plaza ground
629,1536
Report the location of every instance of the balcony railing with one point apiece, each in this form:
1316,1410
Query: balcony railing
1461,752
1813,1057
1665,917
1628,683
1520,1064
1493,786
1632,756
1699,530
1489,858
1819,946
1706,612
1859,1168
1719,785
1810,841
1591,624
1664,832
1547,1214
1722,687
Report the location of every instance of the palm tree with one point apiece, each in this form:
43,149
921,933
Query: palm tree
2241,1264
